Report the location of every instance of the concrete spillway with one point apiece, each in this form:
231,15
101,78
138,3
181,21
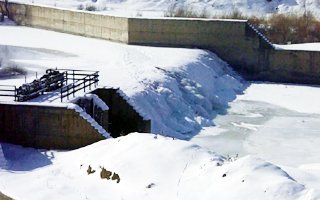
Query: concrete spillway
68,126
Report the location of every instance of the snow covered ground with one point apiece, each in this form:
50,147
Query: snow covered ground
189,86
184,95
150,167
158,8
276,122
299,47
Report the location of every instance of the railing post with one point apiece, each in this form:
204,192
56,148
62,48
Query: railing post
61,93
15,93
66,79
84,84
73,84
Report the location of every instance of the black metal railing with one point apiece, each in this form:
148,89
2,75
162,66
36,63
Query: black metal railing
8,91
68,81
77,80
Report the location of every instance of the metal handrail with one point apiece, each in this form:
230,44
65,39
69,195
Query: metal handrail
77,82
74,81
13,91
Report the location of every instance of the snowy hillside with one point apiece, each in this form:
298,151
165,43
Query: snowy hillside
149,166
179,93
158,8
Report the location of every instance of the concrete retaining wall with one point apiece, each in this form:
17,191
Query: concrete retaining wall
294,66
69,21
235,41
45,127
123,118
99,115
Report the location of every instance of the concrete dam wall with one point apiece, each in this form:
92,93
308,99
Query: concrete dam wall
68,126
123,117
68,21
46,127
235,41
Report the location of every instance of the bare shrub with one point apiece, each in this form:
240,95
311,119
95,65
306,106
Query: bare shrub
307,28
236,14
185,11
171,9
90,7
80,7
12,71
204,14
283,29
139,14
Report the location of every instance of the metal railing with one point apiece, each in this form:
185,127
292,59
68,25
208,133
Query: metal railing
8,91
80,79
72,82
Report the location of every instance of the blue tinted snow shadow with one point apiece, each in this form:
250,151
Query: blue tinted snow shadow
18,158
189,97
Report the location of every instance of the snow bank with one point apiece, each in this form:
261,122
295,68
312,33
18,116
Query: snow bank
139,110
180,93
7,22
96,101
150,167
299,47
290,96
188,98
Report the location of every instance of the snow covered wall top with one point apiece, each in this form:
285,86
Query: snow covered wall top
235,41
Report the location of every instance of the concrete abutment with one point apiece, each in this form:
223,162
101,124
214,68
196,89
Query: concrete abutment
62,127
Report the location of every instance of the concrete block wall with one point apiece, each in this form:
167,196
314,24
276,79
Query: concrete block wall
294,66
123,118
235,41
232,40
45,127
70,21
99,115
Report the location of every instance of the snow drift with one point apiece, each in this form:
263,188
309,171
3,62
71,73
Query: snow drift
188,98
150,167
